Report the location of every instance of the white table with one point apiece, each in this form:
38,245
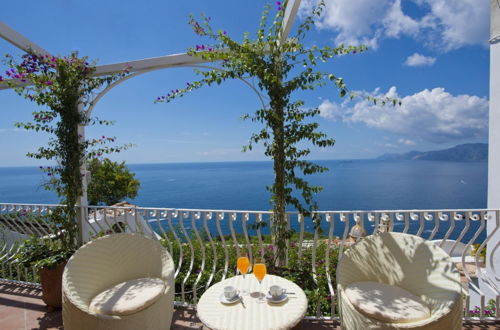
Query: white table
254,314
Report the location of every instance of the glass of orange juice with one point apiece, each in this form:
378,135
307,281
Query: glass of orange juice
260,270
243,263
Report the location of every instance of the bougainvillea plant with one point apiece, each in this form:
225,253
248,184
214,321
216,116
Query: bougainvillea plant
62,87
280,69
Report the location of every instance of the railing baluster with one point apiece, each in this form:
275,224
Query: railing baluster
491,283
492,251
287,241
105,219
33,223
244,218
345,220
145,216
459,239
91,226
182,216
300,218
197,216
208,216
232,219
454,217
220,216
439,217
157,215
313,261
175,214
259,236
330,220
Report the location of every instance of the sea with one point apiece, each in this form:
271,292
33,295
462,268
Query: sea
348,185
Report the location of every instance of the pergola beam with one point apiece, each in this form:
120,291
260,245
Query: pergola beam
148,64
20,41
290,13
153,63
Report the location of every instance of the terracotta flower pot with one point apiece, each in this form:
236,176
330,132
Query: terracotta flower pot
51,279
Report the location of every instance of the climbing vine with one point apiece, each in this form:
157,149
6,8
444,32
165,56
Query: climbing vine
279,68
62,86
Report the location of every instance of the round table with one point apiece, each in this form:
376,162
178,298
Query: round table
252,314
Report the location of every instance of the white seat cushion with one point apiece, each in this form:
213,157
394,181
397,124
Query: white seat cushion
128,297
386,303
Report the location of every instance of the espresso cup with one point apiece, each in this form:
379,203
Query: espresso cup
230,292
276,291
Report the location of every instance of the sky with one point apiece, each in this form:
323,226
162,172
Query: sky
432,54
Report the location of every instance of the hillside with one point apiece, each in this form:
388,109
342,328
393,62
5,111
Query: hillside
469,152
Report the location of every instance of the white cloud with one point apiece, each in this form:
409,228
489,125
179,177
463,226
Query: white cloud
419,60
330,110
406,142
433,115
458,22
447,25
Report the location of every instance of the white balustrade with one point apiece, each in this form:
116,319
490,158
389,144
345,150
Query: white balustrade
212,236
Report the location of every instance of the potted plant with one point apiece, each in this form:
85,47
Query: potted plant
48,257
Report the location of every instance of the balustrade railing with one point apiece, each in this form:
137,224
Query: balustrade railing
205,244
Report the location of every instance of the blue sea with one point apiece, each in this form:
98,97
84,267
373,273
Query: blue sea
348,185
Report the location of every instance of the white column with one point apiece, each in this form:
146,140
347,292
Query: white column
82,201
494,133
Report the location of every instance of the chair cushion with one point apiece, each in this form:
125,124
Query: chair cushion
386,303
128,297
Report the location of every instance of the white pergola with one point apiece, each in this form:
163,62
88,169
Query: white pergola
141,66
135,67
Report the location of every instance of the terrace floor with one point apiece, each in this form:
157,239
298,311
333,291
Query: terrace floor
21,308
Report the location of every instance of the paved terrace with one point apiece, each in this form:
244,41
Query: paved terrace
21,308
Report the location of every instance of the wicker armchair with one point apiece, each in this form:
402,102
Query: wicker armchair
402,261
107,261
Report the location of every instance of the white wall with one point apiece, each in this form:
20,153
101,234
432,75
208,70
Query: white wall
494,139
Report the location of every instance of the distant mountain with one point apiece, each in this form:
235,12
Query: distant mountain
469,152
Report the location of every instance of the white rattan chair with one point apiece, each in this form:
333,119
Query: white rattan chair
408,262
107,261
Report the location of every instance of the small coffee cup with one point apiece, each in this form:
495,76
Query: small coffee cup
276,291
230,292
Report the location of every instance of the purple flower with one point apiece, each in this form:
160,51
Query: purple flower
48,82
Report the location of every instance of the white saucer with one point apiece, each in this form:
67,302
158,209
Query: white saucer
281,299
224,300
